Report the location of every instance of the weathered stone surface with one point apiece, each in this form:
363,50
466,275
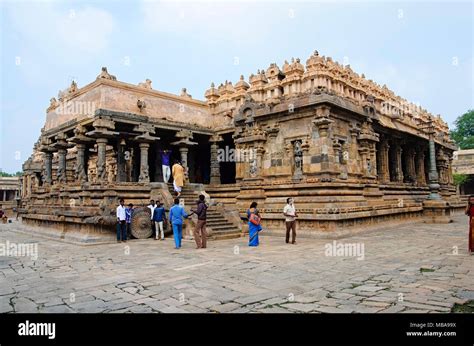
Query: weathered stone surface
274,277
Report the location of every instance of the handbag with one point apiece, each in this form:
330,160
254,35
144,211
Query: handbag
254,218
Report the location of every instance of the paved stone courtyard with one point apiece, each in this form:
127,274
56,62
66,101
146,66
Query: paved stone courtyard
414,267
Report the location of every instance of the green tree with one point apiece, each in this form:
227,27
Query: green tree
5,174
463,133
460,179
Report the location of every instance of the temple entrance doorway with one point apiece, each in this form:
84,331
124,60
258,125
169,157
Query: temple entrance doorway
227,166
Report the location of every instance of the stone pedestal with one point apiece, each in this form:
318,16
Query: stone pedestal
436,211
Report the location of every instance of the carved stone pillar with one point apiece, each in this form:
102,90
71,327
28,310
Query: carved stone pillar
80,172
410,164
215,165
144,140
183,143
48,167
384,174
81,141
327,159
353,158
183,151
121,169
256,162
61,145
239,164
450,170
442,165
103,126
144,169
398,163
101,152
61,173
367,141
433,173
420,167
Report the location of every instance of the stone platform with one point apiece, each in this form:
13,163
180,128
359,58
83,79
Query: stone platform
415,267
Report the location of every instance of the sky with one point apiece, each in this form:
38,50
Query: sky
423,51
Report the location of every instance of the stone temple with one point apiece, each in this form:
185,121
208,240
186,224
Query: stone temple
350,152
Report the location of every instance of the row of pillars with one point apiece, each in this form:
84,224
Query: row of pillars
81,174
413,160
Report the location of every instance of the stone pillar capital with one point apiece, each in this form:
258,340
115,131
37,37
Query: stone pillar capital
144,145
216,138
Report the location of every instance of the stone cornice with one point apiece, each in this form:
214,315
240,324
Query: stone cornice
130,87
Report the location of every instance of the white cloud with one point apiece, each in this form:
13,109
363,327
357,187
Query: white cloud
62,30
207,20
52,37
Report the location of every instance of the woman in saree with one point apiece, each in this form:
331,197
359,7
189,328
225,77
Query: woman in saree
254,228
470,213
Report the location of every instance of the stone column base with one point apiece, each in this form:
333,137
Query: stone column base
436,211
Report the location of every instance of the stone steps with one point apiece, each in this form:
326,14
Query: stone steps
221,227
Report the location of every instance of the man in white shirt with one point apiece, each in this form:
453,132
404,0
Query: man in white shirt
152,207
121,225
290,219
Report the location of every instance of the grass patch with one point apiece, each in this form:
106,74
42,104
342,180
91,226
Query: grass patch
464,308
426,270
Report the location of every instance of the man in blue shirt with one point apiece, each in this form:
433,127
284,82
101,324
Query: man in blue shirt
177,214
165,164
159,216
128,219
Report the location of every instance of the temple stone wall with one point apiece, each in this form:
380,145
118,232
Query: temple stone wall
348,150
123,97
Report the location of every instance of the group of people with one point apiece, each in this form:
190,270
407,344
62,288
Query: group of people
177,170
254,219
158,220
177,214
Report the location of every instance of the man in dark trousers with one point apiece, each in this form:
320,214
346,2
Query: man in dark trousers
200,235
121,222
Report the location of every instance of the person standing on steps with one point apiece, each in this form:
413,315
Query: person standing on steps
159,216
178,177
177,213
121,218
165,164
290,220
200,235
